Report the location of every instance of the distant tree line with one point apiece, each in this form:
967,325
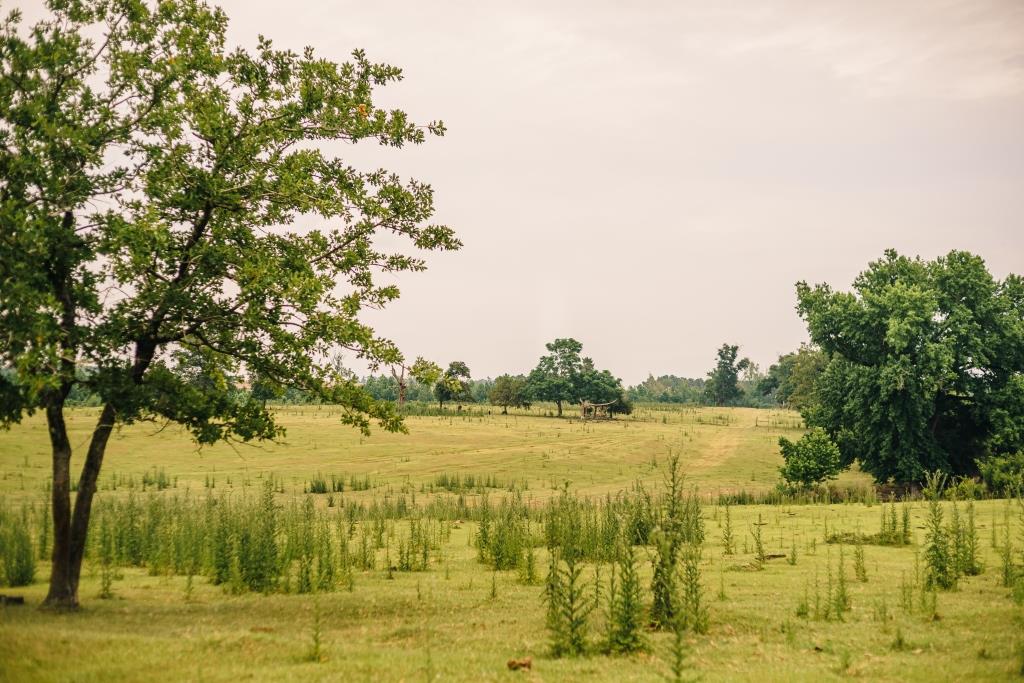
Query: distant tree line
918,369
668,389
562,376
739,382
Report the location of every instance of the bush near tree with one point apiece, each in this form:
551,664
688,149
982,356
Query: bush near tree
1003,474
812,459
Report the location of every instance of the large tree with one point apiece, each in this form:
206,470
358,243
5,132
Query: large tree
925,364
556,375
597,386
159,194
509,391
722,387
453,385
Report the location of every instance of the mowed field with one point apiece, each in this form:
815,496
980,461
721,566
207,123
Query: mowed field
728,449
461,621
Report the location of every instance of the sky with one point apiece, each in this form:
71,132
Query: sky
652,178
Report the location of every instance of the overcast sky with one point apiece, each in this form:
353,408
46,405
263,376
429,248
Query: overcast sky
652,178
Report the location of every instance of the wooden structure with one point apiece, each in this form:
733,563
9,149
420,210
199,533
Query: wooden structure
596,411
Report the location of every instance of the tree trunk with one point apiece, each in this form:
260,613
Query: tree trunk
402,386
62,594
86,491
559,404
71,531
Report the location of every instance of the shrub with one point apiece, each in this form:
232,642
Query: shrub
728,539
625,609
663,580
692,607
841,598
968,551
859,567
261,562
811,460
505,537
939,559
760,556
528,572
892,530
569,604
1002,474
19,560
966,488
681,522
1006,553
679,651
106,557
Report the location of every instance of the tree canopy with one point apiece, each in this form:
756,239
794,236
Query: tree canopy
668,389
566,376
453,385
556,376
791,381
722,387
161,194
597,386
509,391
925,363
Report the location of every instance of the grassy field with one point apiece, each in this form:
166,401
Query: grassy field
462,621
722,449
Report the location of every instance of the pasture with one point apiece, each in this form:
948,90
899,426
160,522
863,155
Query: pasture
455,618
729,449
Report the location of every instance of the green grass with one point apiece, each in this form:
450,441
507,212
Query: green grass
722,450
443,624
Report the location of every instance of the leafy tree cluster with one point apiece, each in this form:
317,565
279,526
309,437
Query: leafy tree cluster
510,391
480,389
565,376
924,365
668,389
386,388
1004,474
791,381
722,386
453,385
562,376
